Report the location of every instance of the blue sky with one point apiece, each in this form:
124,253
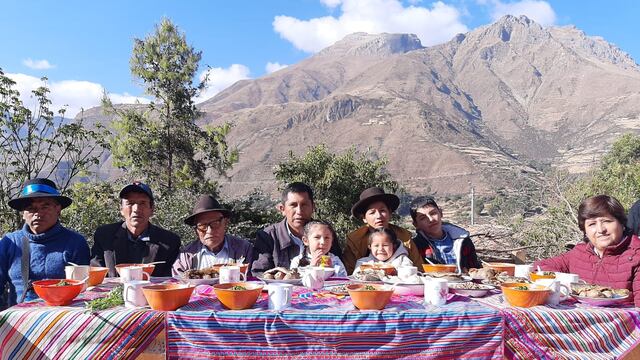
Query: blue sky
84,47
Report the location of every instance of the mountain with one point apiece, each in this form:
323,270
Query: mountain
502,100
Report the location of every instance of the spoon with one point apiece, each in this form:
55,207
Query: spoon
429,261
485,263
70,263
155,262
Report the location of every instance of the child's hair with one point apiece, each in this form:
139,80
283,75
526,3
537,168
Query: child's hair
390,233
422,202
307,231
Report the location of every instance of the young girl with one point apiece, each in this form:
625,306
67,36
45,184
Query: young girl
385,247
317,238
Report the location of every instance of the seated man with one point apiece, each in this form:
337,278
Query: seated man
214,245
278,244
135,240
441,243
42,248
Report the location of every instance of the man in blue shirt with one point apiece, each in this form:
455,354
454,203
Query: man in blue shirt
42,248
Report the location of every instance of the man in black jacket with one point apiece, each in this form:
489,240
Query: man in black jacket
135,240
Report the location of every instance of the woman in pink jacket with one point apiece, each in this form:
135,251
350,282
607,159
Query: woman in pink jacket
610,254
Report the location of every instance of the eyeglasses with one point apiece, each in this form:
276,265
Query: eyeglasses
213,224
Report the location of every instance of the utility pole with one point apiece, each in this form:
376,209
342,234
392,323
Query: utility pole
472,206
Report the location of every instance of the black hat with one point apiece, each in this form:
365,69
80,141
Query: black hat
138,187
206,203
370,196
38,188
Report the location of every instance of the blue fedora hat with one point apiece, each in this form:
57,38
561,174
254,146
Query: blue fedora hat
38,188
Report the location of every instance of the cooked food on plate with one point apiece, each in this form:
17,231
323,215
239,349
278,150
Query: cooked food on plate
206,273
280,273
597,291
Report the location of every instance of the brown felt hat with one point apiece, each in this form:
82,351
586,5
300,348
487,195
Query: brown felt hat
206,203
371,195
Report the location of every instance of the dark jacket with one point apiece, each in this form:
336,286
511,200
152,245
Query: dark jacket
274,247
633,219
188,258
617,268
466,257
112,246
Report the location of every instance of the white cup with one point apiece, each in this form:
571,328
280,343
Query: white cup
279,296
133,273
523,271
133,295
231,274
313,278
567,279
405,272
559,292
435,291
79,272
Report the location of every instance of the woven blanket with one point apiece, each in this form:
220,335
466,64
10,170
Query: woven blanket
320,324
36,331
567,331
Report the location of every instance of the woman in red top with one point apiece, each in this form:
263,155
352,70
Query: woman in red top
610,255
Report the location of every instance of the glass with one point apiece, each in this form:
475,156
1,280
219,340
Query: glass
213,224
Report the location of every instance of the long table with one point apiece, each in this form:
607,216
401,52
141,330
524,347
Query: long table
321,324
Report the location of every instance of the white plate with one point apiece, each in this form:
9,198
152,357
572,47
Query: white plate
211,281
354,279
602,301
472,292
283,281
463,278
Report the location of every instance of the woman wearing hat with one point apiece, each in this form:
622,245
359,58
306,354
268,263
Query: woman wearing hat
214,245
375,208
43,244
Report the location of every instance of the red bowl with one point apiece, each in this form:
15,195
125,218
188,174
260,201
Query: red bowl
54,295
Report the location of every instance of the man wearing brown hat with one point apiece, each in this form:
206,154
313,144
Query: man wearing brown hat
42,248
214,245
135,240
375,208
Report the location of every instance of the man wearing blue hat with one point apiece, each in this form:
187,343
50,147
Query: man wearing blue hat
42,248
135,240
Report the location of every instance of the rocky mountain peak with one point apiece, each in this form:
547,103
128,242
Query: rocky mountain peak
379,45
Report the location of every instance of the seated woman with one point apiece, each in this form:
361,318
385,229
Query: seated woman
214,245
610,254
375,208
385,247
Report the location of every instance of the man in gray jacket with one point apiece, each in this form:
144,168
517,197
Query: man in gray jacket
214,245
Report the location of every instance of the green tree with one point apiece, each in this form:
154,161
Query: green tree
337,181
162,142
39,143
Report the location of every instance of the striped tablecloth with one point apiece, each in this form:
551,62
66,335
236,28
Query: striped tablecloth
327,326
567,331
35,331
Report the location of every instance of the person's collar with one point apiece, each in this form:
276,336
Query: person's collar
291,234
422,233
144,235
225,246
44,236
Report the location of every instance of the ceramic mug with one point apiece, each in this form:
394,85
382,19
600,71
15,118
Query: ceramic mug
523,271
435,291
559,291
77,272
313,277
279,296
133,295
133,273
405,272
567,279
231,274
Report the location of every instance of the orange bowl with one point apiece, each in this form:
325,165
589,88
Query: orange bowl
238,299
439,268
54,295
388,269
145,267
167,297
536,295
510,269
96,275
536,276
375,299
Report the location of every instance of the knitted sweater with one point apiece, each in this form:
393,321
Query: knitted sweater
50,252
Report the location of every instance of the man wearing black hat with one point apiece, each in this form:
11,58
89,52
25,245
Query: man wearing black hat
42,248
214,245
135,240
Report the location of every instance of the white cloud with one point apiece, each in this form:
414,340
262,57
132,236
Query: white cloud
273,67
331,3
37,64
433,25
73,95
221,78
538,11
